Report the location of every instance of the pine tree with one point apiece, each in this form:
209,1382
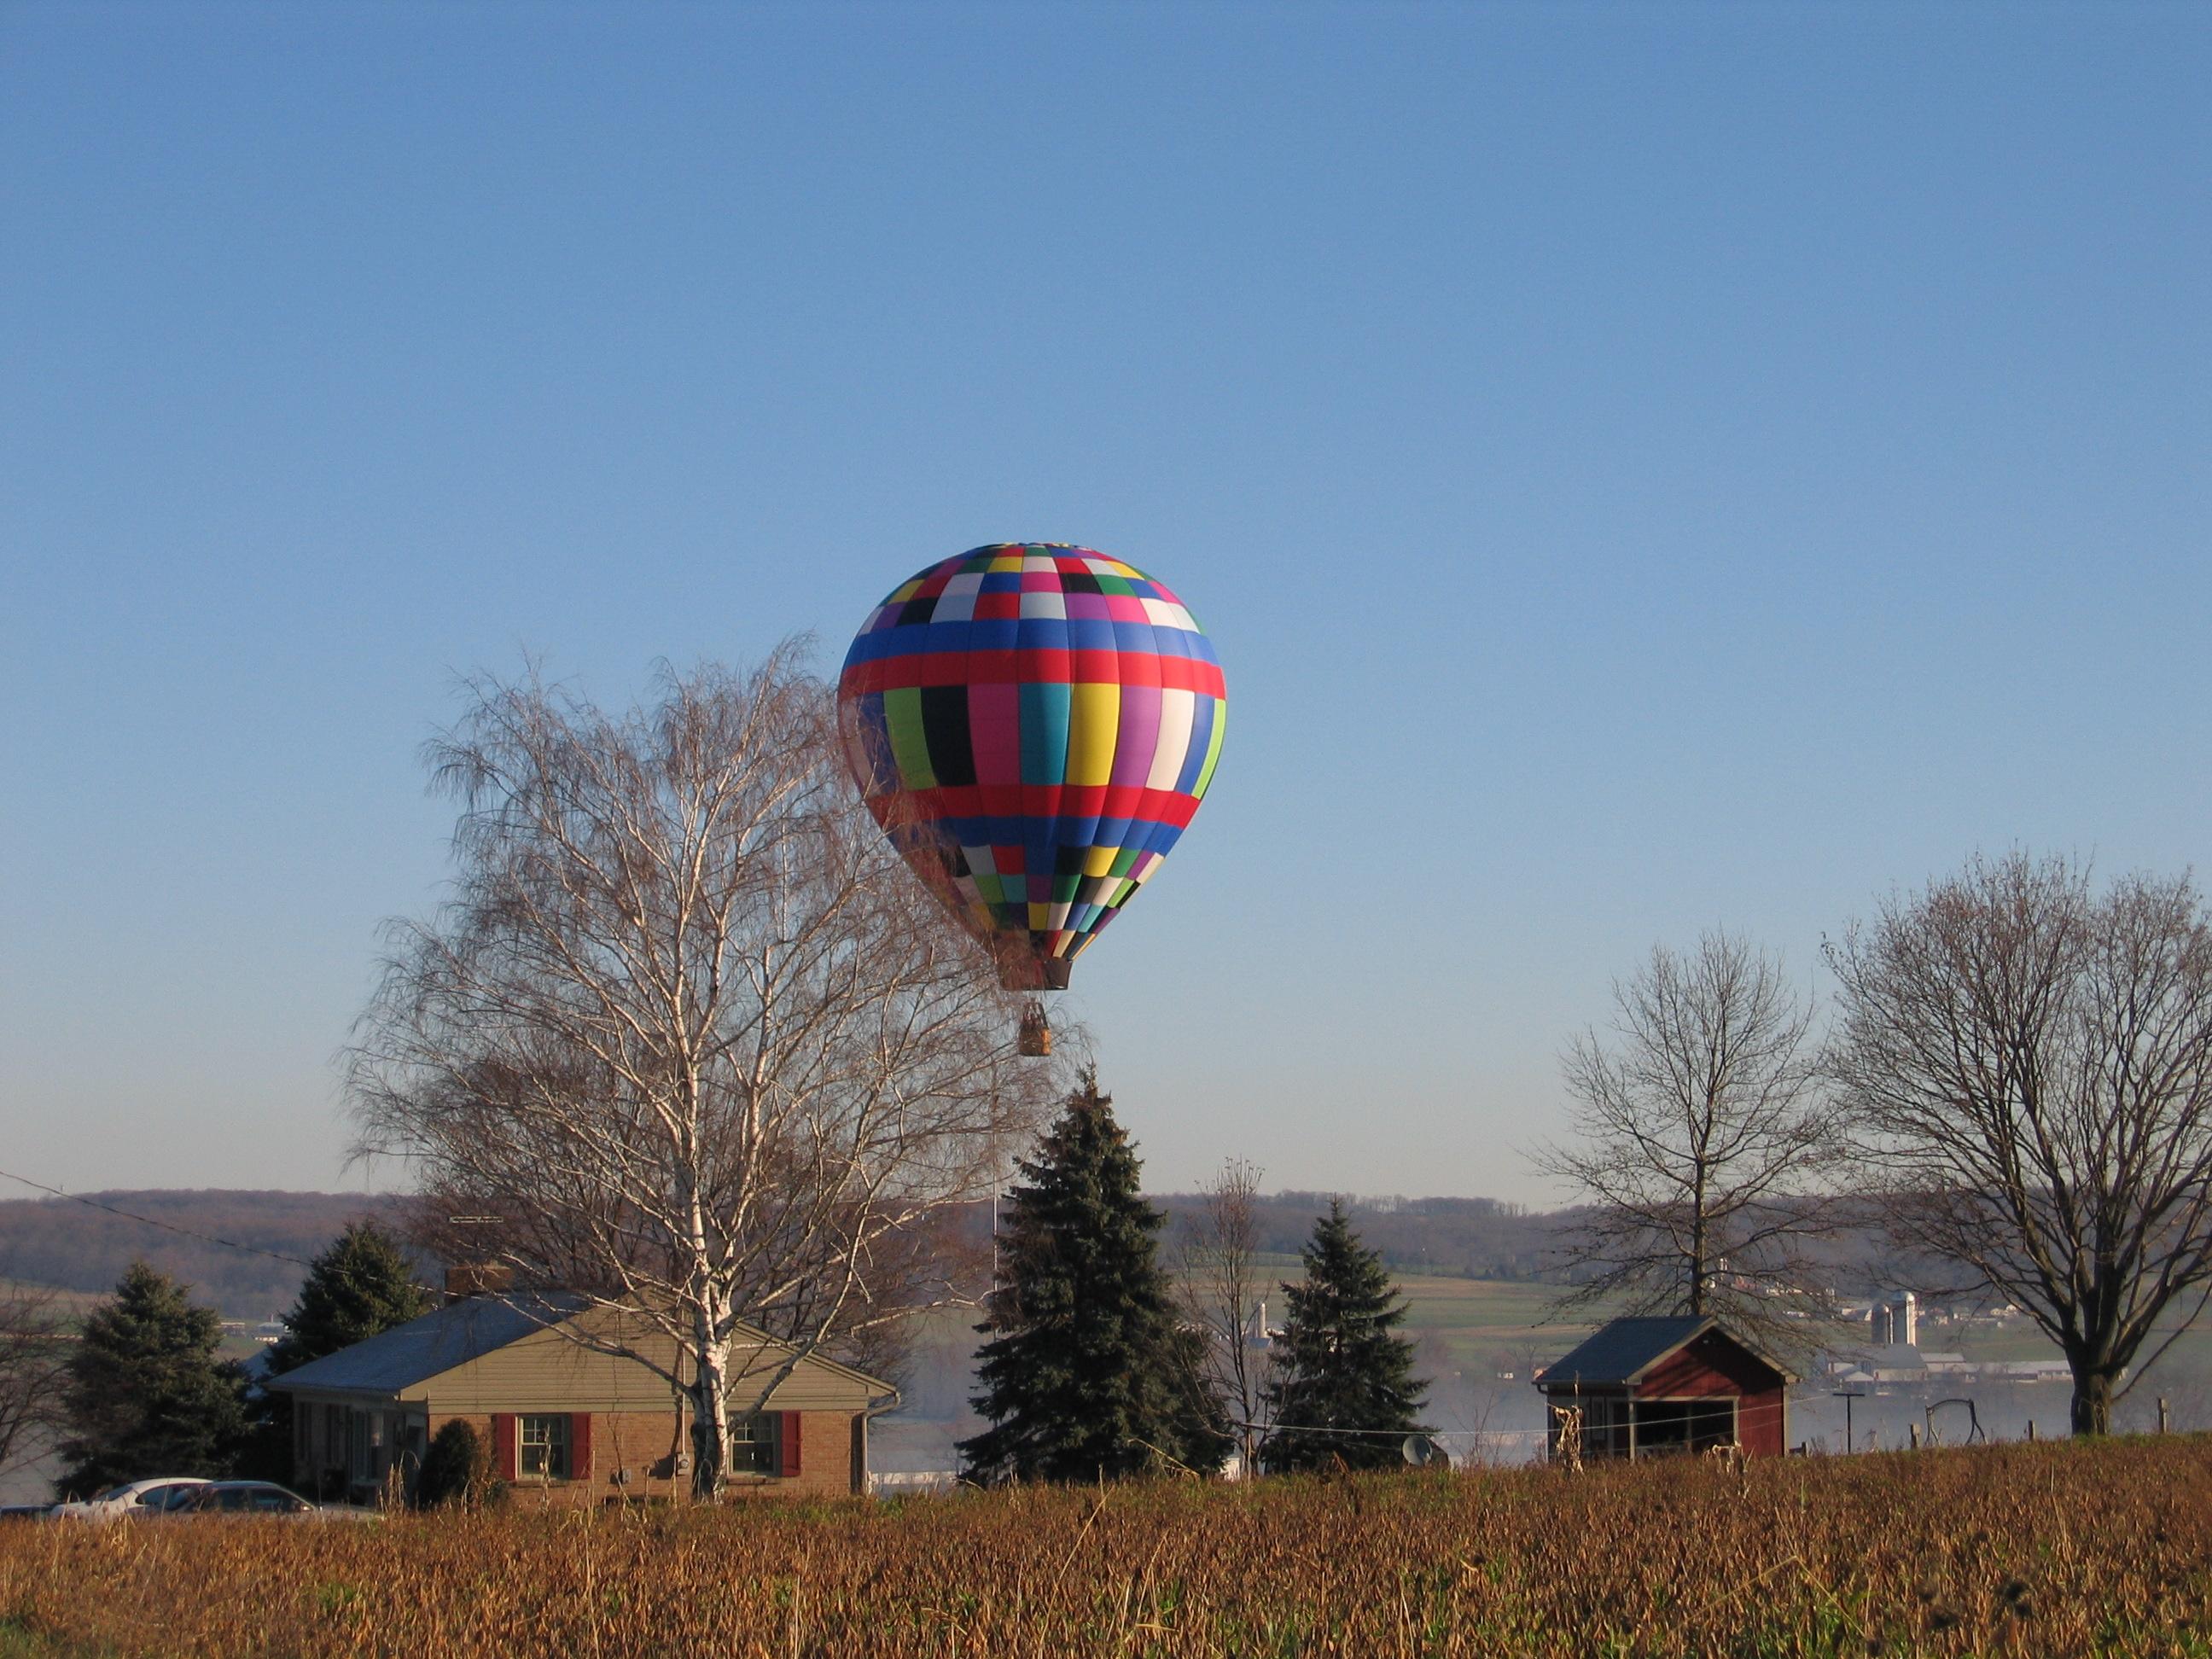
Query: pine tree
1087,1375
359,1286
1346,1386
145,1394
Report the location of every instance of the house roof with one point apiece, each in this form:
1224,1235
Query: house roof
447,1338
422,1348
1623,1350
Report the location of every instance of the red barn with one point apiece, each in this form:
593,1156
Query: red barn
1677,1385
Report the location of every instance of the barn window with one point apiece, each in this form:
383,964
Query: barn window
1683,1425
541,1448
755,1438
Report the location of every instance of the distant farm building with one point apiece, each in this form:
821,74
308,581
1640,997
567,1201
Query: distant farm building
1895,1322
1646,1386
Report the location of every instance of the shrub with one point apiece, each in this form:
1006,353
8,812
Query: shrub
456,1469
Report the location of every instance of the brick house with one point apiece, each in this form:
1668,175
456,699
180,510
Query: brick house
567,1424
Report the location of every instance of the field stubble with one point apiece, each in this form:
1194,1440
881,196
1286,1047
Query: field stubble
2051,1548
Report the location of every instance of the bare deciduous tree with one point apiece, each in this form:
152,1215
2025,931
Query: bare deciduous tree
2030,1068
31,1354
688,1031
1698,1141
1222,1288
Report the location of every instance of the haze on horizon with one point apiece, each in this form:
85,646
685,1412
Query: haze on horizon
1641,469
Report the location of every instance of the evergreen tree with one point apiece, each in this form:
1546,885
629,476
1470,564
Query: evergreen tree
1087,1375
144,1393
361,1284
358,1287
1341,1366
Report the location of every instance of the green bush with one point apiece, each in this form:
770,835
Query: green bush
456,1469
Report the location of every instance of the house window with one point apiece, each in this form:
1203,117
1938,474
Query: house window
541,1448
756,1442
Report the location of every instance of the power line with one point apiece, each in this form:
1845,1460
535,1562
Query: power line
148,1220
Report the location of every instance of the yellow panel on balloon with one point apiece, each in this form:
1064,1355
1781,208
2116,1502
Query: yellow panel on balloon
1094,720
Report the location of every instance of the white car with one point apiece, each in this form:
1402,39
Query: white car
133,1498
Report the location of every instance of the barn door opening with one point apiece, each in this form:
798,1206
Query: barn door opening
1683,1426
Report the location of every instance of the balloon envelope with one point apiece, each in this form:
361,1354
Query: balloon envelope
1033,725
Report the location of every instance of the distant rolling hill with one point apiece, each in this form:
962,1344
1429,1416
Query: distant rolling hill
73,1247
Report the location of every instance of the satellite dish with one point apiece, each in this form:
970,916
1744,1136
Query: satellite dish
1423,1453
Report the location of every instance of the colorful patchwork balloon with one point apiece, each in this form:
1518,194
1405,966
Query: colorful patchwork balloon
1033,725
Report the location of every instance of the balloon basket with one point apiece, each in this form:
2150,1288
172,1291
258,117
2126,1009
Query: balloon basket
1035,1040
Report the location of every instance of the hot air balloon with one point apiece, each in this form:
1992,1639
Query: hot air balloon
1033,724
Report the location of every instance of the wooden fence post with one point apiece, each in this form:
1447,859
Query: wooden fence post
2162,1413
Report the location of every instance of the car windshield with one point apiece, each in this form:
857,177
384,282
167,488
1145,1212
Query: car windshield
177,1497
108,1496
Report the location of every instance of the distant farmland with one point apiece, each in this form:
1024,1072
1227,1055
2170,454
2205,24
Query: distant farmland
2048,1549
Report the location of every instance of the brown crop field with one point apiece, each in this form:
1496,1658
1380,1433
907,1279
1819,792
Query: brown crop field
2055,1549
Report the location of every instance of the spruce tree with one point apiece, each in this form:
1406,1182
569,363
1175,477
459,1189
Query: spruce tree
1345,1384
360,1286
1087,1375
145,1394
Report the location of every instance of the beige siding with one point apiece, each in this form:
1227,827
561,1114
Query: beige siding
549,1371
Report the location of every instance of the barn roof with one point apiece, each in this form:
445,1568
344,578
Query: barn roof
1623,1350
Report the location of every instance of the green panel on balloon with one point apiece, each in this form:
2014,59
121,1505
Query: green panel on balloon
909,747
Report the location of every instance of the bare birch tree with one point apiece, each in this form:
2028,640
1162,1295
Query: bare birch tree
1697,1142
2029,1069
705,1052
1222,1288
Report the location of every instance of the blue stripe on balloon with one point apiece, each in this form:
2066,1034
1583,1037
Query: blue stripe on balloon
1090,633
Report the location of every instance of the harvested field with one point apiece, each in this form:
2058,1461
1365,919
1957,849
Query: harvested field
2049,1548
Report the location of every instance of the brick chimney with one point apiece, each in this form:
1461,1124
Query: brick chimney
467,1278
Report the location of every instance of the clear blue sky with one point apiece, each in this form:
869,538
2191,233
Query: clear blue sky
1642,467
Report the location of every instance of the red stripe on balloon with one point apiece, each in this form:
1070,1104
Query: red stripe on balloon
1046,801
1026,668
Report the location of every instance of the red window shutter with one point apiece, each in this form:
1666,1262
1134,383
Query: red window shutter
503,1466
789,1437
580,1446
